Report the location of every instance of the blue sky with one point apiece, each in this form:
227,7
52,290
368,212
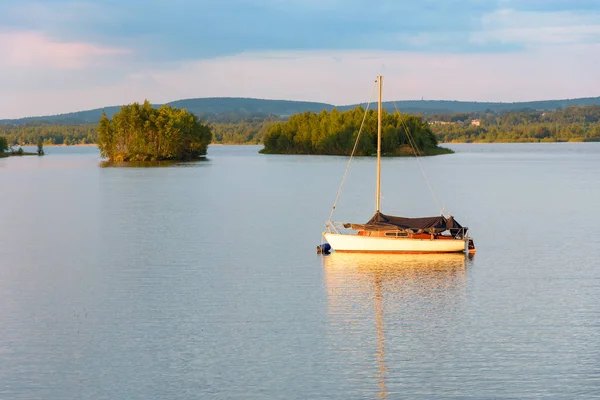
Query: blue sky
62,56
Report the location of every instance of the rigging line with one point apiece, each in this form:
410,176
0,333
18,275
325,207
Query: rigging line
411,140
417,154
337,198
413,145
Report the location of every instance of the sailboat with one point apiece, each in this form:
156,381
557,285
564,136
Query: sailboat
392,234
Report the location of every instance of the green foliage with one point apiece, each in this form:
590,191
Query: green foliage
3,144
49,134
5,153
335,133
570,124
246,132
144,133
243,132
40,147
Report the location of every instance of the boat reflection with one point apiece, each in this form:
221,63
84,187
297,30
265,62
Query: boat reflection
396,292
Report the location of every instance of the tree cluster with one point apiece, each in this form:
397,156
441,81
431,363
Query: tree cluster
243,132
249,131
144,133
571,124
335,132
3,144
49,134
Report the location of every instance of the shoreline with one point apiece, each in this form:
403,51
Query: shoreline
260,144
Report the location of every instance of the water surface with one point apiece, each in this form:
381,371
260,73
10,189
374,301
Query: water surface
200,280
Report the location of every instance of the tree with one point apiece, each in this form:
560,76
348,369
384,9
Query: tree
105,137
144,133
40,147
3,144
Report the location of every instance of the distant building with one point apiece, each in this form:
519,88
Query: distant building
476,122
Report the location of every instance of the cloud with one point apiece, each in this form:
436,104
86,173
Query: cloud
338,77
181,30
187,30
67,55
532,28
33,49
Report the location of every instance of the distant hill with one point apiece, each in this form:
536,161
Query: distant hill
451,106
234,109
229,109
223,105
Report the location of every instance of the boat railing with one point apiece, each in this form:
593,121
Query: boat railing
462,233
333,227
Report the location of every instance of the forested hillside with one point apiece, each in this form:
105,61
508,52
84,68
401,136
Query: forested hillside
235,109
215,109
570,124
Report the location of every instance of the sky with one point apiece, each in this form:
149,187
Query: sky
64,56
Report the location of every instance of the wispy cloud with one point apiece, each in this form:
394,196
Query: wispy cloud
33,49
532,28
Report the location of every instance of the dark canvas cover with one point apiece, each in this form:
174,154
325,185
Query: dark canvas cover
380,221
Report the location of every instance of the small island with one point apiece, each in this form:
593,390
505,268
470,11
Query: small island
144,133
6,151
335,132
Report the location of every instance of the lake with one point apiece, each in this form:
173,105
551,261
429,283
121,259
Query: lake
201,280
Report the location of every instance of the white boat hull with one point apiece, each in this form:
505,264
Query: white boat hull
368,244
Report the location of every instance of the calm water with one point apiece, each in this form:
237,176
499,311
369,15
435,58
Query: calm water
201,280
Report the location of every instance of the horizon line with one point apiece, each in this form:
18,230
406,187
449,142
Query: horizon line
300,101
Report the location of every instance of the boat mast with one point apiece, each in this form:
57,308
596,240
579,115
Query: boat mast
379,107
